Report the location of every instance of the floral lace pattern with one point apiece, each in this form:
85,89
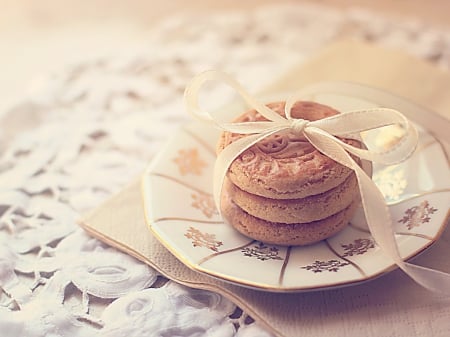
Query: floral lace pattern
100,123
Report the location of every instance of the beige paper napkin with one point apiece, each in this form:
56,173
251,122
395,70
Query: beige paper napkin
401,74
392,303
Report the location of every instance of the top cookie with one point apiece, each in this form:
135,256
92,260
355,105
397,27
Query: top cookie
285,165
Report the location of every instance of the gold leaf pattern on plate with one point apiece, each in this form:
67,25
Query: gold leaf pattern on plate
330,266
204,203
418,215
200,239
189,161
358,247
262,252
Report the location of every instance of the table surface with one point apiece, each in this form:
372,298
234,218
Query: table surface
38,37
84,81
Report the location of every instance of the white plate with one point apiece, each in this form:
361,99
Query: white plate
180,211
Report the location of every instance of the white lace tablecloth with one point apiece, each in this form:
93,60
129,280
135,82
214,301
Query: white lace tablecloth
87,130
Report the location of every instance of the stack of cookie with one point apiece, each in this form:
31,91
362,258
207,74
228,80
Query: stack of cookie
282,190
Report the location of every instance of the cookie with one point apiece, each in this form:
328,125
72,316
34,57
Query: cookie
311,208
281,233
285,165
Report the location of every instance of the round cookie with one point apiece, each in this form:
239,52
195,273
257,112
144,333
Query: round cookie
285,165
312,208
281,233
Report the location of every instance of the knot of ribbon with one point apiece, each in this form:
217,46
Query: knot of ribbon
323,135
297,125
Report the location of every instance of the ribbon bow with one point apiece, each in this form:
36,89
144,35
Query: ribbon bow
322,134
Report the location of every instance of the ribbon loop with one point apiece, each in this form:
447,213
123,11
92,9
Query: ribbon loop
192,93
322,134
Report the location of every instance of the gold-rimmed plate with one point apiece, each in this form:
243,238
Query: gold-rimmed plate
180,211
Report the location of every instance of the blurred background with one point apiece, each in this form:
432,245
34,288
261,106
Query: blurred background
40,36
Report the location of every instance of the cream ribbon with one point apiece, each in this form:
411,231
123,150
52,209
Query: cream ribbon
322,135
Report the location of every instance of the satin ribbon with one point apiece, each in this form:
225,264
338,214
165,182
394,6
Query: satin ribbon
322,134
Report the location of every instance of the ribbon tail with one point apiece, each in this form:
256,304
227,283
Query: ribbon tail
378,216
381,226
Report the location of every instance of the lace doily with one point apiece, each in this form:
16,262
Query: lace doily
99,123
